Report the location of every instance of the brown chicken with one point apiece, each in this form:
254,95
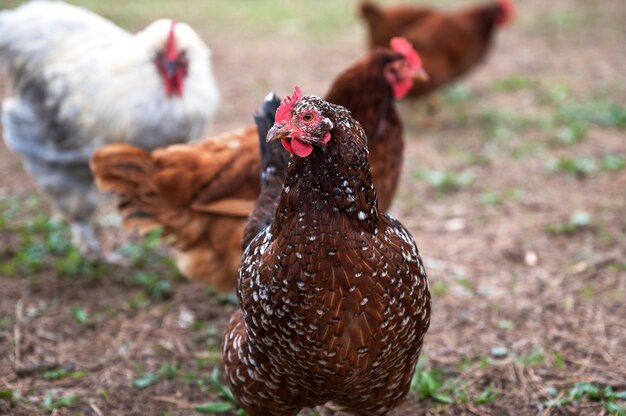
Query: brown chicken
202,193
334,297
450,43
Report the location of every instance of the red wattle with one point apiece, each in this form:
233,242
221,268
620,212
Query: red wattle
287,145
301,149
400,89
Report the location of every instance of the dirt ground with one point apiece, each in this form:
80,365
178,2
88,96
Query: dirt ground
515,194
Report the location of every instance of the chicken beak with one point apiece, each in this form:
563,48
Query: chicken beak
421,75
277,132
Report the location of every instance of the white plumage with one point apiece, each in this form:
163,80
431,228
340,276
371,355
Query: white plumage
80,82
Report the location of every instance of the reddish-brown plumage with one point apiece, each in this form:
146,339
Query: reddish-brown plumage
364,90
334,297
189,189
449,43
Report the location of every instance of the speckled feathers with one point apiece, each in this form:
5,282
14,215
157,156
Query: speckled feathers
334,297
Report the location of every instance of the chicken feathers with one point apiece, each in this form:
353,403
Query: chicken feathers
274,162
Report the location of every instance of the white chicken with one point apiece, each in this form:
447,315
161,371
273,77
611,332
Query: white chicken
79,82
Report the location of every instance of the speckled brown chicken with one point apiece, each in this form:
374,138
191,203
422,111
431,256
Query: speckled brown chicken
450,43
202,193
334,297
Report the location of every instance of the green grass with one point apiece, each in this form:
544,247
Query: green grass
172,371
51,404
155,286
613,402
535,358
432,384
553,116
498,198
486,396
512,83
40,244
145,380
445,180
581,166
61,373
224,392
577,222
436,385
6,395
457,93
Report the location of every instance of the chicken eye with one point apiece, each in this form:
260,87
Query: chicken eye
308,117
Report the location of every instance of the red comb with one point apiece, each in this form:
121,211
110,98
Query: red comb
170,45
282,113
508,11
403,46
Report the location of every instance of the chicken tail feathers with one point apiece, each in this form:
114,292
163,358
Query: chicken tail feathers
274,163
274,160
128,172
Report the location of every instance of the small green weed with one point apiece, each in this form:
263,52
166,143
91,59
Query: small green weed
145,380
66,401
578,166
457,93
486,396
558,361
167,371
439,288
81,317
578,221
498,198
61,373
445,180
582,166
537,357
512,83
6,394
430,384
224,392
143,252
153,285
589,391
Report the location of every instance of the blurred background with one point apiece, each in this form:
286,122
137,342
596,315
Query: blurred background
515,196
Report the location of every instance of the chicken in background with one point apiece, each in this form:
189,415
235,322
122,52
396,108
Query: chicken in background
333,295
450,43
369,89
202,193
80,82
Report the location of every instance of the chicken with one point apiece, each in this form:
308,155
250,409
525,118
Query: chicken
81,82
172,187
201,194
333,295
450,43
369,90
